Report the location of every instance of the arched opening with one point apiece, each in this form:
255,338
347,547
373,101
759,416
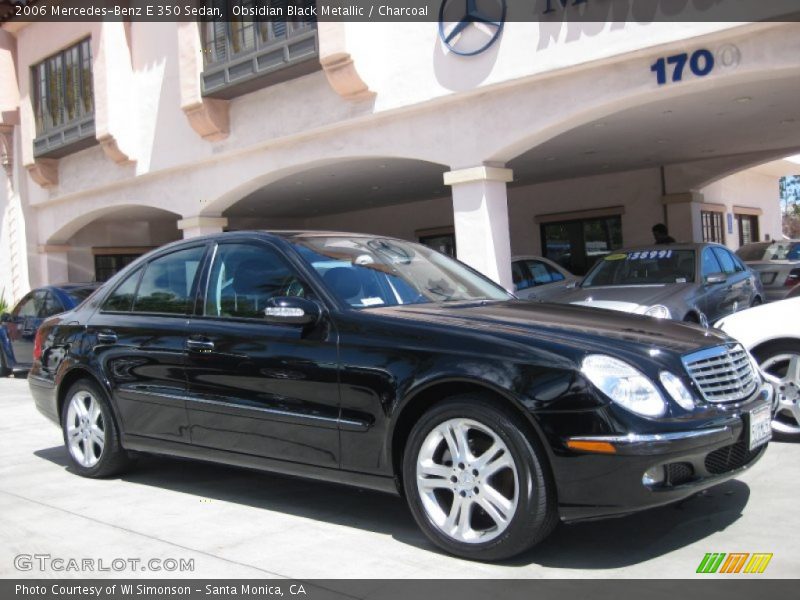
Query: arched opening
95,246
390,196
604,183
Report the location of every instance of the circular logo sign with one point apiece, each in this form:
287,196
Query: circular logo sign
469,27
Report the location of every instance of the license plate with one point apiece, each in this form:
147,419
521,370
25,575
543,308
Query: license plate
760,426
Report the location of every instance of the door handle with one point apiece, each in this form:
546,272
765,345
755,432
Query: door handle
200,345
107,337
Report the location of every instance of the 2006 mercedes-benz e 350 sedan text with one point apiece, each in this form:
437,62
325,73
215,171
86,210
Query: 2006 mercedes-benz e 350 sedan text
383,364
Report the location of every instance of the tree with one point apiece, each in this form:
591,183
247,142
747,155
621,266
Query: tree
790,205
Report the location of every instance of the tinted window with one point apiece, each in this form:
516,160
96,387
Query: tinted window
52,306
244,277
725,259
794,252
121,299
710,263
166,286
543,273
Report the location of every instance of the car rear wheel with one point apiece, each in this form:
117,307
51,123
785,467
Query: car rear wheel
90,433
476,483
782,360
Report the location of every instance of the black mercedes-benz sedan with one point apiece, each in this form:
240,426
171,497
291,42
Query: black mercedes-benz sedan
383,364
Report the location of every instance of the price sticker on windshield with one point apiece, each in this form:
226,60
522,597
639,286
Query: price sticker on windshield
650,255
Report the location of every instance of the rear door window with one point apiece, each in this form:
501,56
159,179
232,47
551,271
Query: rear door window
168,282
725,259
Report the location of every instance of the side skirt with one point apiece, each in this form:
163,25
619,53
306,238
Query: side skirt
350,478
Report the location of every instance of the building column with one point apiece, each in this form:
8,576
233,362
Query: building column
683,215
480,215
54,263
195,226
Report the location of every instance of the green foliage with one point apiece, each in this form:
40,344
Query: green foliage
3,303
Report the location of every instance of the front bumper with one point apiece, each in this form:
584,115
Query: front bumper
602,484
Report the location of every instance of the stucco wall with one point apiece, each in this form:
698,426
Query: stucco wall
751,189
136,233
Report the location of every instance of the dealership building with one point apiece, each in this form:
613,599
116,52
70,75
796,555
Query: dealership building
554,137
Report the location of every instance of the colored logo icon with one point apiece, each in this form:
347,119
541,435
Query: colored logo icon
469,27
734,562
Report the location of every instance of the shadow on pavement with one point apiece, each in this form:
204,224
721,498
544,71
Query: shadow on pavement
606,544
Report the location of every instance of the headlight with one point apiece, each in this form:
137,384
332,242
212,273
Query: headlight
677,390
624,385
659,311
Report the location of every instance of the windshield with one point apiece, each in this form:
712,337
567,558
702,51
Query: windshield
370,272
643,267
773,251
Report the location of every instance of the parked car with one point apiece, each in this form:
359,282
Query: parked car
537,278
794,292
18,328
772,334
697,283
776,263
384,364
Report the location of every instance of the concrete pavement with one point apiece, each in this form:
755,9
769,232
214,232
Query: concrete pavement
235,523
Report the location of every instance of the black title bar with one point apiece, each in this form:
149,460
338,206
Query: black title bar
400,10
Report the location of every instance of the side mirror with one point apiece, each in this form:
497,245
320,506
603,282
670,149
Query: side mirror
716,278
572,284
291,310
5,318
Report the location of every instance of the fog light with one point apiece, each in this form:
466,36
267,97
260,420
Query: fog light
654,476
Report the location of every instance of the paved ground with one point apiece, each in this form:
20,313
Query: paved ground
236,523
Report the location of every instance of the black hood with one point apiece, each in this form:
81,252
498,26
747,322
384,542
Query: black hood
563,324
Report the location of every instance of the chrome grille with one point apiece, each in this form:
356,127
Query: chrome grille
722,373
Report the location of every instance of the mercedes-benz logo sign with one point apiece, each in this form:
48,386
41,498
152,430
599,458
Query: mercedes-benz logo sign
468,27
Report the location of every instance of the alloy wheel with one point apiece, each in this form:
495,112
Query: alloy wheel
85,429
467,480
786,367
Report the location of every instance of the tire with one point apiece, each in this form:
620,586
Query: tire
756,302
525,514
95,450
782,360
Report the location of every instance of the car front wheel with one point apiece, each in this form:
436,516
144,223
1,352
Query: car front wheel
782,360
90,434
476,483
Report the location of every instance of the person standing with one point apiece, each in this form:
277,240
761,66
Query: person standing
661,234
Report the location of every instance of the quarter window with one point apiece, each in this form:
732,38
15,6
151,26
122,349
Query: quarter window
244,277
168,282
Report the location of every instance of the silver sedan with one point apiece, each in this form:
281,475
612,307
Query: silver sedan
698,283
